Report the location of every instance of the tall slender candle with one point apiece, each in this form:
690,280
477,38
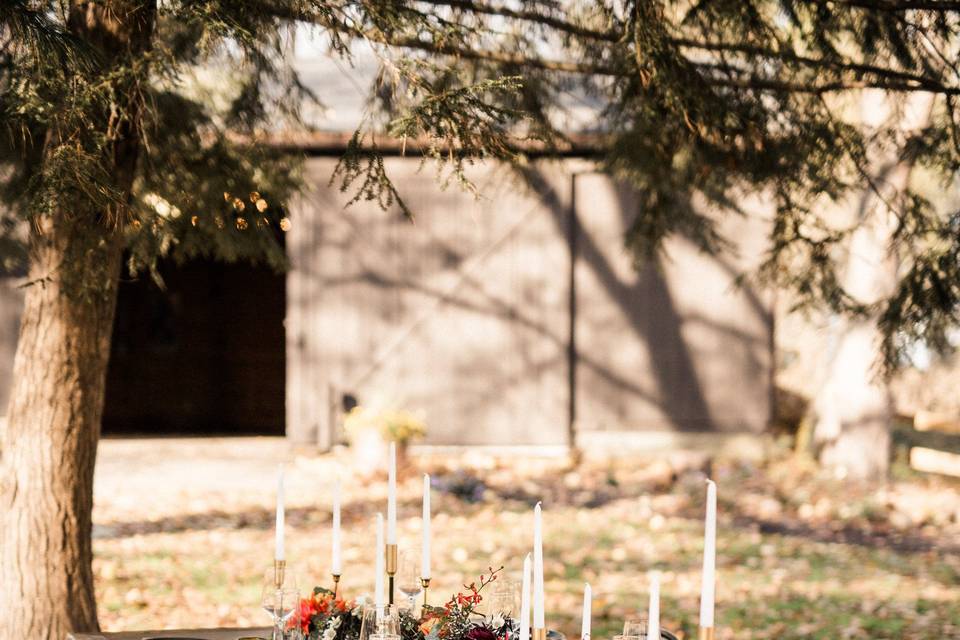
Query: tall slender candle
278,533
378,591
335,560
392,496
587,604
709,559
425,559
525,600
538,617
653,613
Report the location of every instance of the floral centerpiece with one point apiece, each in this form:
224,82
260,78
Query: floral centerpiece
392,425
368,430
325,617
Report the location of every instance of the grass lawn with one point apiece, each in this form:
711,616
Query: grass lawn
800,555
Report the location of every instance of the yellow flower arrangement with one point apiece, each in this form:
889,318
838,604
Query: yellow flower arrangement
393,425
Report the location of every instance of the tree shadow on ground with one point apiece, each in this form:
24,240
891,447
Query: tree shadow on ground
519,499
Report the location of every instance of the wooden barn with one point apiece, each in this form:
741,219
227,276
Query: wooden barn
512,317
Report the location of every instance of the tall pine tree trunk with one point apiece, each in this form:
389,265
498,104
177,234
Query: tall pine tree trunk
854,407
50,440
49,443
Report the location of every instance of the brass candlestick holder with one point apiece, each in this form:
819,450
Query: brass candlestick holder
391,570
425,583
706,633
538,634
336,585
279,572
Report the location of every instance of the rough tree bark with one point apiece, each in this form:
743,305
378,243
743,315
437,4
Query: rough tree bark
854,407
48,445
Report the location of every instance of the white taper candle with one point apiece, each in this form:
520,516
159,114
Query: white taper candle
525,600
336,561
653,612
707,591
392,496
425,559
587,605
379,598
278,532
538,604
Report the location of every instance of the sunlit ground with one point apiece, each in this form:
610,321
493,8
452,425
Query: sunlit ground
183,540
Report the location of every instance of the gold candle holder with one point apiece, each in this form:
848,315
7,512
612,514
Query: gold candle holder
336,585
425,583
391,570
279,572
538,634
706,633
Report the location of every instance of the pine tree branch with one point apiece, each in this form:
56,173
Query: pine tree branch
780,86
500,57
821,63
901,83
885,78
896,6
529,16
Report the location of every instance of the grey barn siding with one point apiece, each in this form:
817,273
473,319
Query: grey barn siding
465,314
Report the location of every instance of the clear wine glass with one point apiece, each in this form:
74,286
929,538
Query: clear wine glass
280,598
635,628
504,599
380,623
408,577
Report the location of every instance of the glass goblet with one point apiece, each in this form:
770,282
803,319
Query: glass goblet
280,598
503,600
635,627
408,577
380,623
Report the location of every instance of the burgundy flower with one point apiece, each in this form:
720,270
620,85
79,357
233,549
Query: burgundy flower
480,633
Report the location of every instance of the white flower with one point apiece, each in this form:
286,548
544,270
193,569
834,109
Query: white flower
330,631
497,620
361,601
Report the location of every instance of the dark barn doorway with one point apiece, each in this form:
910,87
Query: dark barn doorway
204,357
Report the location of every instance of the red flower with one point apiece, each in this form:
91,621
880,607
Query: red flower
308,609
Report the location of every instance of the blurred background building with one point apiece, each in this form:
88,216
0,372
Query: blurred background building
512,317
515,317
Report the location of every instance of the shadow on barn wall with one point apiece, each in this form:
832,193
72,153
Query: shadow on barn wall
465,313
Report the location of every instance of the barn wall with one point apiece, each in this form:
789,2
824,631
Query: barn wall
675,345
459,315
464,316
